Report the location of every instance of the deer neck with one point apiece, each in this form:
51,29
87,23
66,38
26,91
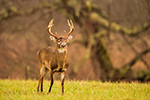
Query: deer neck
61,53
61,57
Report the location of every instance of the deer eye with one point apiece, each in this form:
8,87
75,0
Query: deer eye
58,41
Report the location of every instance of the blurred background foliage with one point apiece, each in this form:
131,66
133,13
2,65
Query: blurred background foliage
111,38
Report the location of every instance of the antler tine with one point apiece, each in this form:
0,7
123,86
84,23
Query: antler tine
50,25
70,24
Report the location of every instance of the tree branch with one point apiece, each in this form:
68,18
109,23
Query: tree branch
13,11
117,28
136,58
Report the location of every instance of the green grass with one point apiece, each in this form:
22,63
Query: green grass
74,90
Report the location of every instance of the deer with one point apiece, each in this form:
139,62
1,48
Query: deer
54,59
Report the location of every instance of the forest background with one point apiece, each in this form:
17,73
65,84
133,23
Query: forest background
111,38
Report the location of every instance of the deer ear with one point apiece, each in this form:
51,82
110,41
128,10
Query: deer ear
69,38
52,38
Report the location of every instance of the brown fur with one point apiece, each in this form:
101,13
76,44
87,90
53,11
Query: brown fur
50,59
54,59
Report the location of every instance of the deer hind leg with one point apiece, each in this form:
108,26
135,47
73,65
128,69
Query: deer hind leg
52,81
63,75
40,65
43,72
38,84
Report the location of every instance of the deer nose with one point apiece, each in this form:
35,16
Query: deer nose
63,45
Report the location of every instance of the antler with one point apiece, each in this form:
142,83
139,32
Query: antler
49,29
70,24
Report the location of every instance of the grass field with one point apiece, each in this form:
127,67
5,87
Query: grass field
74,90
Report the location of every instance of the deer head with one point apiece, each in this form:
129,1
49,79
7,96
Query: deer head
61,41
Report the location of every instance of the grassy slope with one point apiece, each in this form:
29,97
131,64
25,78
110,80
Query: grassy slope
74,90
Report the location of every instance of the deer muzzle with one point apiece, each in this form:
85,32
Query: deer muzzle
63,45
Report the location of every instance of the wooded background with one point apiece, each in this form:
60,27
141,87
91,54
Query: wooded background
111,38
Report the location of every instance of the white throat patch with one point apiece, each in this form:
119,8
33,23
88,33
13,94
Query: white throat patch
61,50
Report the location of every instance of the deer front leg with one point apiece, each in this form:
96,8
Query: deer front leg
52,81
63,75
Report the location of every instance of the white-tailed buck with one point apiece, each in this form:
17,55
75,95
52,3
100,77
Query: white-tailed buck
54,59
